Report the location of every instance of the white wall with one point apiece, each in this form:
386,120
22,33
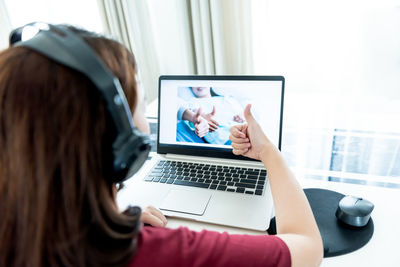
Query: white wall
4,26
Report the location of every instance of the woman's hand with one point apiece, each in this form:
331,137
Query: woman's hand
248,139
153,216
295,222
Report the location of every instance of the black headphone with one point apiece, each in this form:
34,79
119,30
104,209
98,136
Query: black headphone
58,43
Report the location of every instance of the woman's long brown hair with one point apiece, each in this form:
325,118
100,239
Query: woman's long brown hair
57,205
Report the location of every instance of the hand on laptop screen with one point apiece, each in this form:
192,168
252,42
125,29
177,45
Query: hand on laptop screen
205,116
213,124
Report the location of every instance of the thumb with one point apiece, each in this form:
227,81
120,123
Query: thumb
213,111
197,115
247,114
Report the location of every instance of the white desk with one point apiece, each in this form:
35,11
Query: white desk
382,250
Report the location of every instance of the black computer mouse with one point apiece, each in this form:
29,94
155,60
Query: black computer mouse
354,211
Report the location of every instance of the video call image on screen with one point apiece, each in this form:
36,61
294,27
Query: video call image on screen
201,113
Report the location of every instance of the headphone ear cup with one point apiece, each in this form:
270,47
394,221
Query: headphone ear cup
131,157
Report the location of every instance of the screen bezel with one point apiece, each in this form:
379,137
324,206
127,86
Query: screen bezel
212,151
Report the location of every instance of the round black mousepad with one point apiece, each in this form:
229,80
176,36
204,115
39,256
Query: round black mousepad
338,238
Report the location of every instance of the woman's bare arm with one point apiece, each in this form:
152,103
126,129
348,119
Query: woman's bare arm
296,225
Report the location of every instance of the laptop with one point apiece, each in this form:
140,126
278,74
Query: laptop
193,174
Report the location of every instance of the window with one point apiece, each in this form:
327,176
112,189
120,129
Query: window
341,64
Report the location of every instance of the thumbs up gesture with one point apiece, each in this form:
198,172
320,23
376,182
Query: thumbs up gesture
200,124
212,123
248,139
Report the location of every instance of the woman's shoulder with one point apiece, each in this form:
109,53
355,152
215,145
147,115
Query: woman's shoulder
183,247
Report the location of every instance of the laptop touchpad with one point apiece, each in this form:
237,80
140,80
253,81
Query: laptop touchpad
192,202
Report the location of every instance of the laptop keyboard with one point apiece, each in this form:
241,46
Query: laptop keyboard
215,177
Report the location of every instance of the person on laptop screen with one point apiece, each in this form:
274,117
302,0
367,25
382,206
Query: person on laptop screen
57,203
205,116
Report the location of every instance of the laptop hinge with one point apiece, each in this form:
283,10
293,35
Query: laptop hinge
229,162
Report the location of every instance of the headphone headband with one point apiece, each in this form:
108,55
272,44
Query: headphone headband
60,44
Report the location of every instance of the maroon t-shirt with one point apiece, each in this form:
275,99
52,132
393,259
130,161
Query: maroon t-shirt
183,247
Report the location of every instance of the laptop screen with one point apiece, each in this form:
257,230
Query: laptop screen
196,112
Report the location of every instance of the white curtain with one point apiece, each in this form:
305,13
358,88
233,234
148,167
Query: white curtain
221,36
182,37
5,26
128,22
231,27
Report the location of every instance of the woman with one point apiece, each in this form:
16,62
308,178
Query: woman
57,202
